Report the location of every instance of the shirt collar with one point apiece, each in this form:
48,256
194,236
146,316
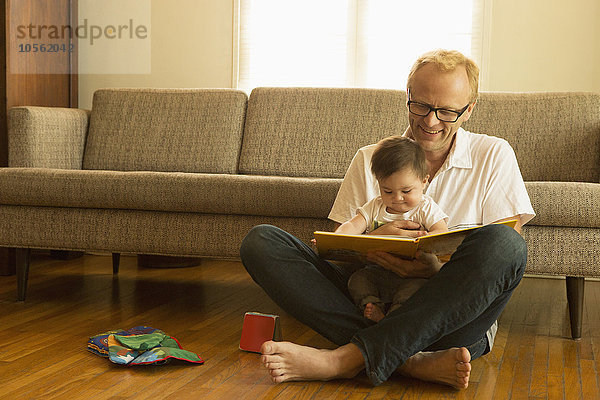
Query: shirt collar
460,153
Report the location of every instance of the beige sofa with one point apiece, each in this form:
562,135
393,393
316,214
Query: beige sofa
189,172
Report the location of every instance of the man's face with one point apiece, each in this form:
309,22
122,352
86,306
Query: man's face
448,90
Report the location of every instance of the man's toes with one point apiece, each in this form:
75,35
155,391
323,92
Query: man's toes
463,355
465,367
281,376
462,380
461,383
268,347
274,366
266,359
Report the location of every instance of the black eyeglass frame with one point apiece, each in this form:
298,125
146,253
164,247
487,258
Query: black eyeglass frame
458,113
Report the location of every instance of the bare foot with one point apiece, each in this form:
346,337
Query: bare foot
451,367
373,312
292,362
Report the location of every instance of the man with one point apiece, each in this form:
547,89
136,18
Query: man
436,333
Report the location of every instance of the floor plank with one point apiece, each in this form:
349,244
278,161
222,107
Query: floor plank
42,340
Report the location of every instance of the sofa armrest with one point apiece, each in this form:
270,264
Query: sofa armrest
46,137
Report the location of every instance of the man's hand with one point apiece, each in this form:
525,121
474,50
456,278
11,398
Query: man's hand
400,228
425,265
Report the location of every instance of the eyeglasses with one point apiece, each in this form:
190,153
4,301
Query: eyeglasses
442,114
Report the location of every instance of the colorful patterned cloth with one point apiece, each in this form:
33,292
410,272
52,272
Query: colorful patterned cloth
138,346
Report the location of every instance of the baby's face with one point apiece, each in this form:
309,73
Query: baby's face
402,191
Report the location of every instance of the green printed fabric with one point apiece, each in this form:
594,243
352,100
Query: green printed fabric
128,348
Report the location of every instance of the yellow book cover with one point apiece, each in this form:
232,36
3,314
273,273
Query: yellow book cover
346,247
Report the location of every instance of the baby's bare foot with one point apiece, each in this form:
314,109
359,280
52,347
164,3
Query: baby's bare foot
292,362
451,367
373,312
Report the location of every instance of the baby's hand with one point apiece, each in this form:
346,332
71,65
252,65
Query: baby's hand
400,228
313,245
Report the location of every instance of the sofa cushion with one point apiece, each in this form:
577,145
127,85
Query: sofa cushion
187,130
143,232
565,251
316,132
169,191
568,204
556,136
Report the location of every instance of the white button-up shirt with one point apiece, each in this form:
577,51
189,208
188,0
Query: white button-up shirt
479,183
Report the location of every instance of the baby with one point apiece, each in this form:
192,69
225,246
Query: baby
400,168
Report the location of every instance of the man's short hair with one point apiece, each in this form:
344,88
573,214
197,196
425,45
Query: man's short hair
446,61
396,153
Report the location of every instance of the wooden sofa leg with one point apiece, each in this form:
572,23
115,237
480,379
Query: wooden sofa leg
575,286
116,258
22,257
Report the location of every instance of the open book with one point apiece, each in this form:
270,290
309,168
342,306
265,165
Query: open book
346,247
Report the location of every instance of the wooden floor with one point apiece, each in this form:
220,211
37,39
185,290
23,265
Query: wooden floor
42,341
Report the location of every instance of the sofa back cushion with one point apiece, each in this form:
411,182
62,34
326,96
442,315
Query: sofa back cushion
185,130
556,136
313,132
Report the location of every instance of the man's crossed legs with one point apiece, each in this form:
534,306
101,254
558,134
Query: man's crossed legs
433,336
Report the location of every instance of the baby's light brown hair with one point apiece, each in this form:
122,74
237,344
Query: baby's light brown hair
395,153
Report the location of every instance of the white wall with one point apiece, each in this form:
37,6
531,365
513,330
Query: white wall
191,47
545,45
535,45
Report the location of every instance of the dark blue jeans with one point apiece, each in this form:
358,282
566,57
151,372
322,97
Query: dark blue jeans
454,308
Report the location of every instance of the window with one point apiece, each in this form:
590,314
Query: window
349,43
